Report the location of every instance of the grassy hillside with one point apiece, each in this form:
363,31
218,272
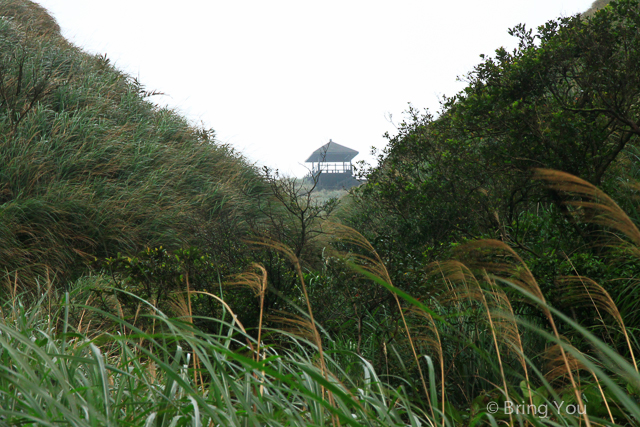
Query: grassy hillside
150,277
89,167
597,5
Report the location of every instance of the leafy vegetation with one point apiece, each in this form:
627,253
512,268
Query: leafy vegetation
483,275
565,99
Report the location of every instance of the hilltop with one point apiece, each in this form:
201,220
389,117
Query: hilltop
90,167
597,5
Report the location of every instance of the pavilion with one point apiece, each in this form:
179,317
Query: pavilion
331,163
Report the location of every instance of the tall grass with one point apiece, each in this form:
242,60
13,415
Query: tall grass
89,167
535,357
58,366
77,358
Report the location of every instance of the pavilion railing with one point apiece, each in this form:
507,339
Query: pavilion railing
332,168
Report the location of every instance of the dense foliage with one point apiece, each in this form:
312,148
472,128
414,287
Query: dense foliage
150,276
565,99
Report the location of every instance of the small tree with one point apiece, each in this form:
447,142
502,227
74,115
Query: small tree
303,212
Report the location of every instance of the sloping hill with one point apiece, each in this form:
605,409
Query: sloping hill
31,16
597,5
89,167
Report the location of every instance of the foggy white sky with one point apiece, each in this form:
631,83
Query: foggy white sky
277,79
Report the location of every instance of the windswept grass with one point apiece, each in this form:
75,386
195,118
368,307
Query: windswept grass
89,167
53,371
524,362
462,356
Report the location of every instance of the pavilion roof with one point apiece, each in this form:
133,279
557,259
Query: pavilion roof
332,152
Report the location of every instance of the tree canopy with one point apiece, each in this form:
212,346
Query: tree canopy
567,98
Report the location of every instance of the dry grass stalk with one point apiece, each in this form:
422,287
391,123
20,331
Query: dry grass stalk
599,209
233,315
596,206
84,311
433,341
508,330
582,291
495,338
183,309
457,272
296,325
493,256
179,305
257,282
557,369
374,265
270,243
